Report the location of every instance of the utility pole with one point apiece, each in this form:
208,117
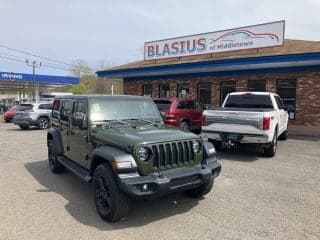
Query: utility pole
34,64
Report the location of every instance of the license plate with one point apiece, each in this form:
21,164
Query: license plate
232,136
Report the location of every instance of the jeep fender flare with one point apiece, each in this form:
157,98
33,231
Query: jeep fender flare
109,154
55,135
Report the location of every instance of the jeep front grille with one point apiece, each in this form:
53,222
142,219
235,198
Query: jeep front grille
170,155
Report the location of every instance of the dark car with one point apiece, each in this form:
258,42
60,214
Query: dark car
122,145
181,112
9,114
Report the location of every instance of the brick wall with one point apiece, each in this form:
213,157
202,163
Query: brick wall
307,94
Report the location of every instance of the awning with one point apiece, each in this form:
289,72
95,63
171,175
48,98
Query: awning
221,67
17,81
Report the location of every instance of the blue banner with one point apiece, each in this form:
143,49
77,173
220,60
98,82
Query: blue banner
44,79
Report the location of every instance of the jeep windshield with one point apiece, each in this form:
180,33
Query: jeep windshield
124,110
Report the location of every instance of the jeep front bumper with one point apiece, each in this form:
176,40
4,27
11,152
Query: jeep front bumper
169,181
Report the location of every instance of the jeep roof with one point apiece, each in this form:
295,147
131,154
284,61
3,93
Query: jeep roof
83,96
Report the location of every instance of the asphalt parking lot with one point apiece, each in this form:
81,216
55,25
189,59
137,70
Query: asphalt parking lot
254,198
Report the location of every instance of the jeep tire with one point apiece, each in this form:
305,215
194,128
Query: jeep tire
111,203
54,165
201,190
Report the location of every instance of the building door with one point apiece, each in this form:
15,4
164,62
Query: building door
182,90
164,90
226,88
286,88
204,93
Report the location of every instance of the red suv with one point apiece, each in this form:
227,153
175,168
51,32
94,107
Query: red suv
181,112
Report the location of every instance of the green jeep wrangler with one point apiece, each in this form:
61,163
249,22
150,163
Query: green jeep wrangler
122,145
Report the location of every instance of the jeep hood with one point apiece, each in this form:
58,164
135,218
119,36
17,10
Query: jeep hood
130,136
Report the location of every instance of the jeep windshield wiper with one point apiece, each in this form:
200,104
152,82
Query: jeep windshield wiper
137,119
112,121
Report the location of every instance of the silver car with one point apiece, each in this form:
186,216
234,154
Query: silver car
33,114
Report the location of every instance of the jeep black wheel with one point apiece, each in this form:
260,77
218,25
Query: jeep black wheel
184,126
23,127
111,203
54,165
200,191
43,123
271,149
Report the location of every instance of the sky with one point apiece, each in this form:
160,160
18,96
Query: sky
109,33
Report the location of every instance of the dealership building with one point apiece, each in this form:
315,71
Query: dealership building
208,66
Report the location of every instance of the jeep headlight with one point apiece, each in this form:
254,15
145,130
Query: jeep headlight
196,145
143,154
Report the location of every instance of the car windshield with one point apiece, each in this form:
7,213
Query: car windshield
162,104
249,101
24,107
123,109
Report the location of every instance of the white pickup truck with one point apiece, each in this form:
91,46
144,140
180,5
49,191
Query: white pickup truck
247,117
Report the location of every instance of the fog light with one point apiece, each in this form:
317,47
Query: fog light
145,187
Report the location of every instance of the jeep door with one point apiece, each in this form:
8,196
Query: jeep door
78,134
64,122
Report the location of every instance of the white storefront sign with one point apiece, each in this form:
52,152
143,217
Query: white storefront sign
257,36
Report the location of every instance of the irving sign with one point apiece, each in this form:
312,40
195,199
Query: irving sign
258,36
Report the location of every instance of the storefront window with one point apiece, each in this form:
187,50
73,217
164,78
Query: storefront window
182,90
147,90
164,90
204,93
226,88
257,85
286,88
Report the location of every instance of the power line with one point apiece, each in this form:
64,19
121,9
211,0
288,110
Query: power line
12,59
64,64
45,65
34,55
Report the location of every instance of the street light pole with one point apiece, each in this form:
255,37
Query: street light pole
34,64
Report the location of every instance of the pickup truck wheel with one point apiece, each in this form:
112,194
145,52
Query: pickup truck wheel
200,191
271,150
111,203
43,123
284,135
55,166
184,126
23,127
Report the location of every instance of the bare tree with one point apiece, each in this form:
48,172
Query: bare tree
80,67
